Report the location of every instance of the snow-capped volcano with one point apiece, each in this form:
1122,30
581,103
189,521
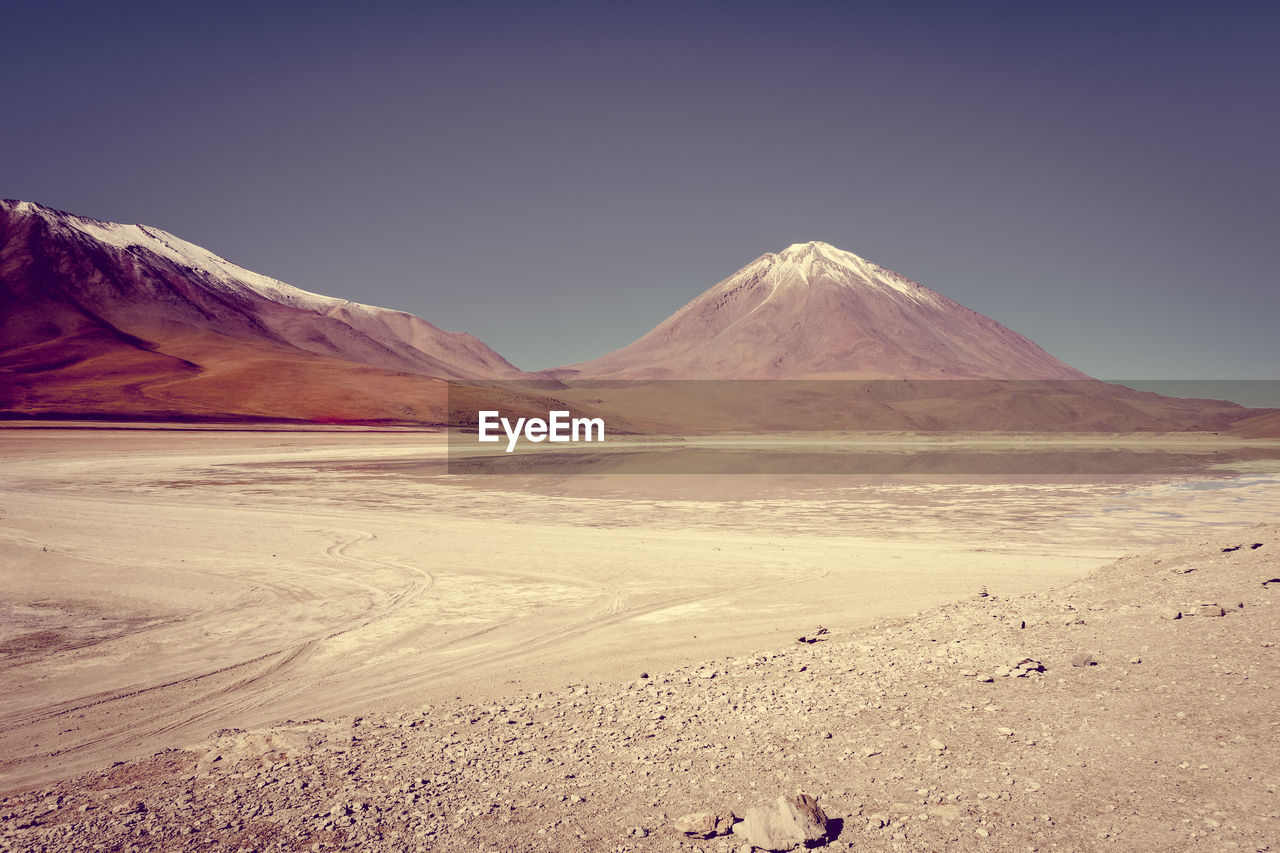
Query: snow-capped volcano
219,272
94,306
142,276
803,264
813,310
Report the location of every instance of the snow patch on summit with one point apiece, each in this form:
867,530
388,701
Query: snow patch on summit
180,252
218,270
803,263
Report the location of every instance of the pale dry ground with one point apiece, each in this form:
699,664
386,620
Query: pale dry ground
161,585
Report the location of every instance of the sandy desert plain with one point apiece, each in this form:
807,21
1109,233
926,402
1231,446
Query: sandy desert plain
318,639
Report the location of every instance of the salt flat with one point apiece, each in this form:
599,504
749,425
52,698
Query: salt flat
159,585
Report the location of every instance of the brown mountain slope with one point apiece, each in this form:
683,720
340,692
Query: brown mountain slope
126,320
1263,425
813,310
860,348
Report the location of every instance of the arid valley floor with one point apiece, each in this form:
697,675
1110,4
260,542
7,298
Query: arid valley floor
318,640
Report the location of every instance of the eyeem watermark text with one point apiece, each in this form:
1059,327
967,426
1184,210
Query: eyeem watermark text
558,427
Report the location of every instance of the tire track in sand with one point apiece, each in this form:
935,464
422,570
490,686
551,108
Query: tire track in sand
216,700
611,614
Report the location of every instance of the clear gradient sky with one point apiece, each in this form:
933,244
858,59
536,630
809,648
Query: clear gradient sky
557,178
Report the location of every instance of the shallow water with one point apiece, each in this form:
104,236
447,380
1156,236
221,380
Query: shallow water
1164,495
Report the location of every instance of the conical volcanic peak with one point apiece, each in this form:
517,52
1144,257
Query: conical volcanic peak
815,310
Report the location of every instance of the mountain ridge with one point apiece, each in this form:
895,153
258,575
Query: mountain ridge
197,286
129,320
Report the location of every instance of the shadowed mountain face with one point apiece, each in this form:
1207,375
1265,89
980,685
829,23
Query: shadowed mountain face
817,311
130,320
